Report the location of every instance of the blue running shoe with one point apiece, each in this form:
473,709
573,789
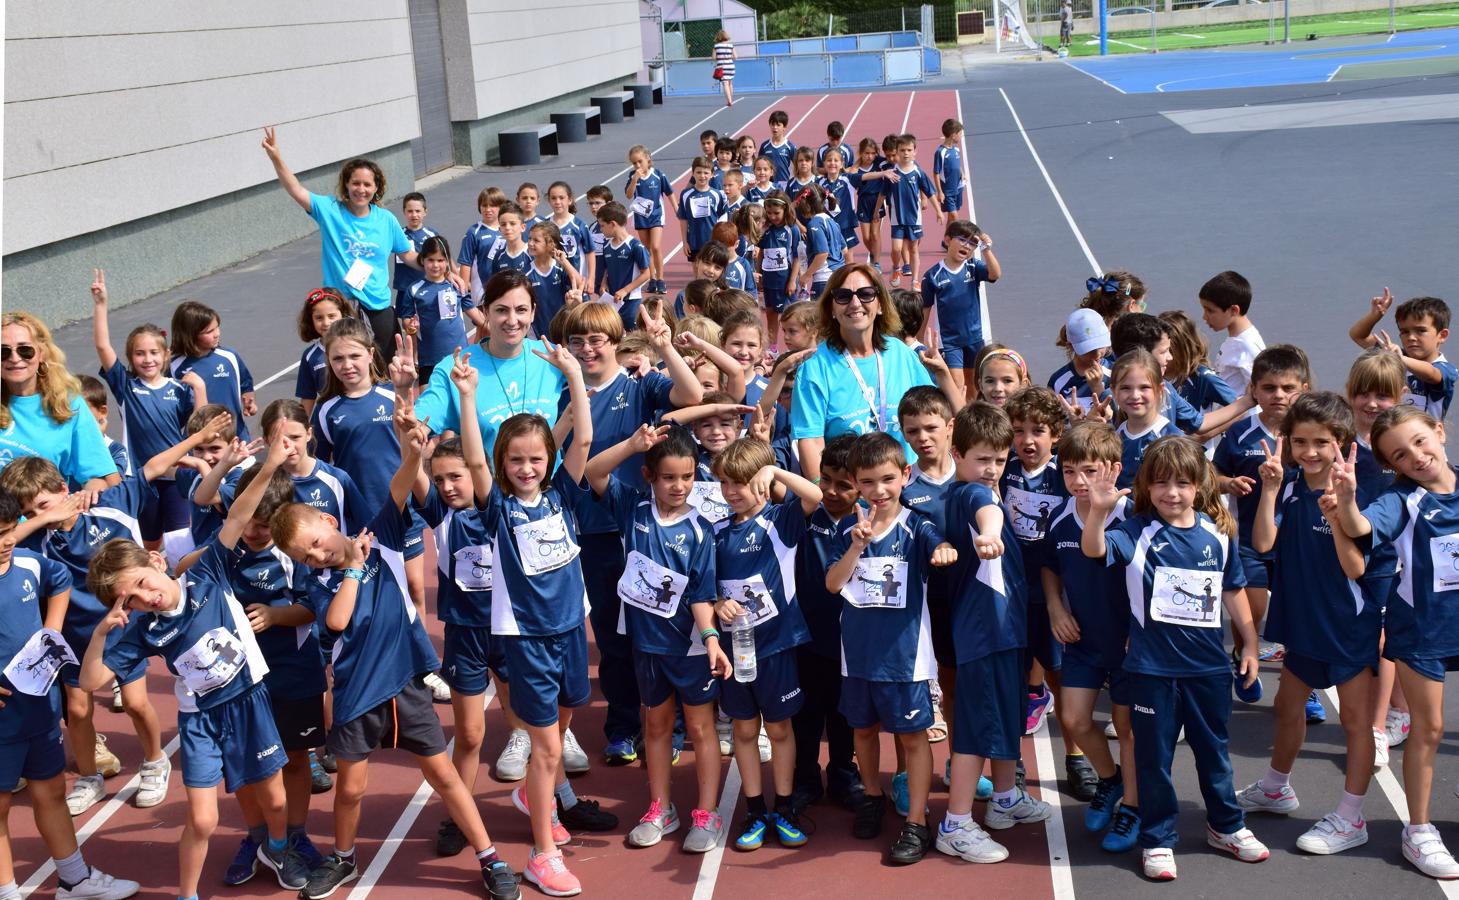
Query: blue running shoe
1316,713
752,832
306,850
787,828
1123,832
901,799
985,787
1107,796
620,752
244,864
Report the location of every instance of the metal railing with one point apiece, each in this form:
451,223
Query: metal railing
806,70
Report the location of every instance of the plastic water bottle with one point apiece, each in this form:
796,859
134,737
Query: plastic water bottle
744,649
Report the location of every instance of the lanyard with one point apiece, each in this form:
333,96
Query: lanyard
878,411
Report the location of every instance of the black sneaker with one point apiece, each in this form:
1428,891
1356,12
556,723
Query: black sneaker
586,815
327,761
319,780
848,798
911,844
1020,777
804,796
501,882
449,839
1083,781
868,817
289,870
326,879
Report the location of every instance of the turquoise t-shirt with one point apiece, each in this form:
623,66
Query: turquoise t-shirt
364,244
75,446
504,387
829,401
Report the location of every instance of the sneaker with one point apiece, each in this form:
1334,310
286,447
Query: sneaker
574,759
586,815
1083,781
752,832
877,266
107,764
1039,706
725,729
1241,844
327,762
1110,732
901,796
985,788
327,878
970,842
762,743
620,752
245,863
867,824
1159,864
1255,798
1380,748
116,697
20,785
896,278
1316,713
848,798
805,795
512,764
560,835
787,827
1107,796
912,843
1271,653
153,789
657,822
1423,847
450,840
1333,834
98,886
1123,832
704,832
1023,811
440,690
500,881
88,791
305,851
1238,685
319,780
1396,725
291,874
550,874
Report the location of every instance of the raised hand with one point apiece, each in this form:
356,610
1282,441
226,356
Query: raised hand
1272,470
559,358
402,364
762,425
1102,407
984,240
1104,490
861,532
659,332
1342,480
647,436
1380,305
759,485
279,450
98,286
1072,409
463,373
934,363
359,549
115,618
271,142
1240,485
212,430
1387,343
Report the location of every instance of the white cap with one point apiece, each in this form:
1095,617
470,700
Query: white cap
1086,331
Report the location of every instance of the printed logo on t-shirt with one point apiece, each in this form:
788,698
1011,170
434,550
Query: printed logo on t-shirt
1188,597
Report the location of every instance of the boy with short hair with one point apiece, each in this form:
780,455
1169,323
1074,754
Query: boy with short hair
1225,304
953,286
700,206
413,209
94,393
834,145
947,169
738,271
623,265
778,150
1423,326
209,473
510,251
480,238
597,196
905,195
733,185
708,139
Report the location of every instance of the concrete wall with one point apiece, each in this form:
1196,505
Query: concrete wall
1168,16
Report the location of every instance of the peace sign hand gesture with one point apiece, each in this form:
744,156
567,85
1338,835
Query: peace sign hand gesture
659,332
271,142
647,436
1387,343
1343,476
762,425
402,365
1072,409
861,532
463,374
98,286
1102,407
559,358
1272,470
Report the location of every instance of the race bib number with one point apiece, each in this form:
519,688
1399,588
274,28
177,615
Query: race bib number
1444,552
700,207
211,663
35,667
706,497
774,259
1186,597
359,273
448,304
642,206
1030,514
544,545
878,582
473,568
752,594
650,587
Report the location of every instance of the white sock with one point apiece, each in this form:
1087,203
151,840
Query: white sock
73,869
1351,807
1007,798
9,891
952,821
1274,781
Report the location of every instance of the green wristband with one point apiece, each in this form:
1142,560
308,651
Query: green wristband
356,574
708,633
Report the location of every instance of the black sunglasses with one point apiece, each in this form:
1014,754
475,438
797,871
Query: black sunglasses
842,296
24,351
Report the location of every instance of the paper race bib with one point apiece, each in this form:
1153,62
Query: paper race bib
774,259
642,206
448,304
878,582
473,568
599,241
753,595
706,497
35,667
700,207
1030,514
1189,597
1444,552
359,273
544,545
211,663
651,587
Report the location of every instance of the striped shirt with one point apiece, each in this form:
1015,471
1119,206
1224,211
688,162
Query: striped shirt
724,58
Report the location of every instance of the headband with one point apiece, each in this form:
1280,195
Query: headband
1012,355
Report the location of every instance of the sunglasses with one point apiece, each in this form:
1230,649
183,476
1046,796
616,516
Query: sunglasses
24,351
842,296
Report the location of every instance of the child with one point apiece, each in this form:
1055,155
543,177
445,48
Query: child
1085,603
1423,326
1001,372
197,346
1225,304
988,626
709,264
1138,389
779,262
753,548
803,171
913,316
867,178
708,140
413,208
779,150
700,206
94,393
800,323
734,191
556,283
947,168
724,161
217,463
668,589
624,266
380,657
1175,552
155,408
763,171
510,251
743,338
825,247
528,198
745,155
838,193
1330,640
1189,370
885,629
888,166
739,272
480,238
319,484
905,199
1138,330
1083,378
322,308
648,191
598,195
833,146
953,286
433,310
576,242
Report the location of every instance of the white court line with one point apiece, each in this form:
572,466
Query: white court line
856,115
1058,198
906,117
1092,75
402,826
93,825
1060,875
728,799
973,216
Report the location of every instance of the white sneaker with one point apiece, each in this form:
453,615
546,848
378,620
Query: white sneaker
1333,834
971,843
1256,798
725,729
1396,725
88,791
1423,847
1026,809
1380,748
153,789
98,886
574,760
107,764
763,742
1241,844
657,822
512,764
1159,863
1109,731
440,690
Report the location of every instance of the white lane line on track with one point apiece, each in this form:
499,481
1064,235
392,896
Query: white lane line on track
973,216
1058,198
1059,873
728,799
907,116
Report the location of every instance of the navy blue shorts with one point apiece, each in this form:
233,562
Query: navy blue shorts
628,313
34,758
79,639
1433,668
776,298
1042,645
1078,674
906,232
851,239
654,219
952,201
959,357
990,711
414,545
547,673
867,207
468,652
165,511
1258,571
899,707
774,695
661,677
1320,675
236,743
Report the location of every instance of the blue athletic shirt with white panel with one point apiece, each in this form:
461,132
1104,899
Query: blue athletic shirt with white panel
701,209
226,378
1135,445
355,434
28,583
947,167
619,265
989,596
928,496
755,560
500,258
1066,379
464,558
618,407
1205,390
1240,453
476,244
906,205
756,194
154,419
313,370
740,275
119,455
647,199
954,291
886,630
823,235
780,247
1094,593
328,489
205,521
820,608
781,156
1433,399
407,275
537,577
1179,411
442,313
577,242
549,290
1422,619
1031,500
843,149
845,214
113,515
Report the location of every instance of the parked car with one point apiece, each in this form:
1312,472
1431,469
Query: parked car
1132,11
1215,3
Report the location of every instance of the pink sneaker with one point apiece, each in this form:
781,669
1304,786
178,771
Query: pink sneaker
560,837
1039,707
549,872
